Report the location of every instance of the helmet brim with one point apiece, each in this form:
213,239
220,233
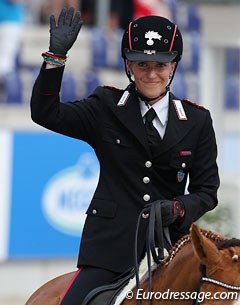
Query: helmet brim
163,57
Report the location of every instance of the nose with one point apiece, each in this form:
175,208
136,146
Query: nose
152,73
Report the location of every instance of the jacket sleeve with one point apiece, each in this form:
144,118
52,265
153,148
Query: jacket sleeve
75,119
203,178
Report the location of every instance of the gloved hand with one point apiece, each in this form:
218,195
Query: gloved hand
65,32
171,211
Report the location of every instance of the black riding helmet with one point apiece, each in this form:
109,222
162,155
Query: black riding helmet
152,38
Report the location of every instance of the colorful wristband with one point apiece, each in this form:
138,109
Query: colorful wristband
52,59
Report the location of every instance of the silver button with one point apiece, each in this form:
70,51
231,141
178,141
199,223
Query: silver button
118,141
94,211
146,197
145,215
183,165
148,164
146,180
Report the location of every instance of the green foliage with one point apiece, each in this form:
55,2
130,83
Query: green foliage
218,220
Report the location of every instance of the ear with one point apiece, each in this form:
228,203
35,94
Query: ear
173,65
129,64
206,251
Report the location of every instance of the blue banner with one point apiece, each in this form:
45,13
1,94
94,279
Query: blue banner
53,181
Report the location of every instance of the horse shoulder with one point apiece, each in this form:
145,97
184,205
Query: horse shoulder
51,292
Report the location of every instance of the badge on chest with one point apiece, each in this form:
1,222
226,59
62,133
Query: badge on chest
186,154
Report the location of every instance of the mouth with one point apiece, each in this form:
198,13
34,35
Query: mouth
152,83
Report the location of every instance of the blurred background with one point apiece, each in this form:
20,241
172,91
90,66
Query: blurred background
47,180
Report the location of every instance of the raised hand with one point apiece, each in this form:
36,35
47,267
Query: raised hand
64,33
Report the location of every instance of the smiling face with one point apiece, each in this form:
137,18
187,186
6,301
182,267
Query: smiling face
151,77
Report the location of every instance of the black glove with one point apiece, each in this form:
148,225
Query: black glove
65,32
171,211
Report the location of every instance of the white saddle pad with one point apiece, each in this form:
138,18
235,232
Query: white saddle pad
143,274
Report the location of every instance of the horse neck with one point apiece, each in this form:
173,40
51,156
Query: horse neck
181,272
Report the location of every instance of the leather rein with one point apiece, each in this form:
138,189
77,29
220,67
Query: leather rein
157,237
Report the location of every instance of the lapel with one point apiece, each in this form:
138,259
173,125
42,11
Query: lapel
176,129
130,116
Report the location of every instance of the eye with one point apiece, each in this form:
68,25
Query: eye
142,64
162,65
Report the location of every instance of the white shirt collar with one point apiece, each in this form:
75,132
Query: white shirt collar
161,108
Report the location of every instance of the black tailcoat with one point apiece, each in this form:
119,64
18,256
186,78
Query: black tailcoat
118,138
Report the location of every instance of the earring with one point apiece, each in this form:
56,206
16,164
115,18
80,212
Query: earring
170,76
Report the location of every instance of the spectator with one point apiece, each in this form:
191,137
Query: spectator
11,29
54,7
151,7
88,8
57,5
121,13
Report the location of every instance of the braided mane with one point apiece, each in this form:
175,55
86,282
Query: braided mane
185,240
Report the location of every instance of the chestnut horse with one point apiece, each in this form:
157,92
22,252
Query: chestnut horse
179,279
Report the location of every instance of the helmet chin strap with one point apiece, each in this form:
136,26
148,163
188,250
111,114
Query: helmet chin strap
149,99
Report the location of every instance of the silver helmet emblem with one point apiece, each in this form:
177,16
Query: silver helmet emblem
150,35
